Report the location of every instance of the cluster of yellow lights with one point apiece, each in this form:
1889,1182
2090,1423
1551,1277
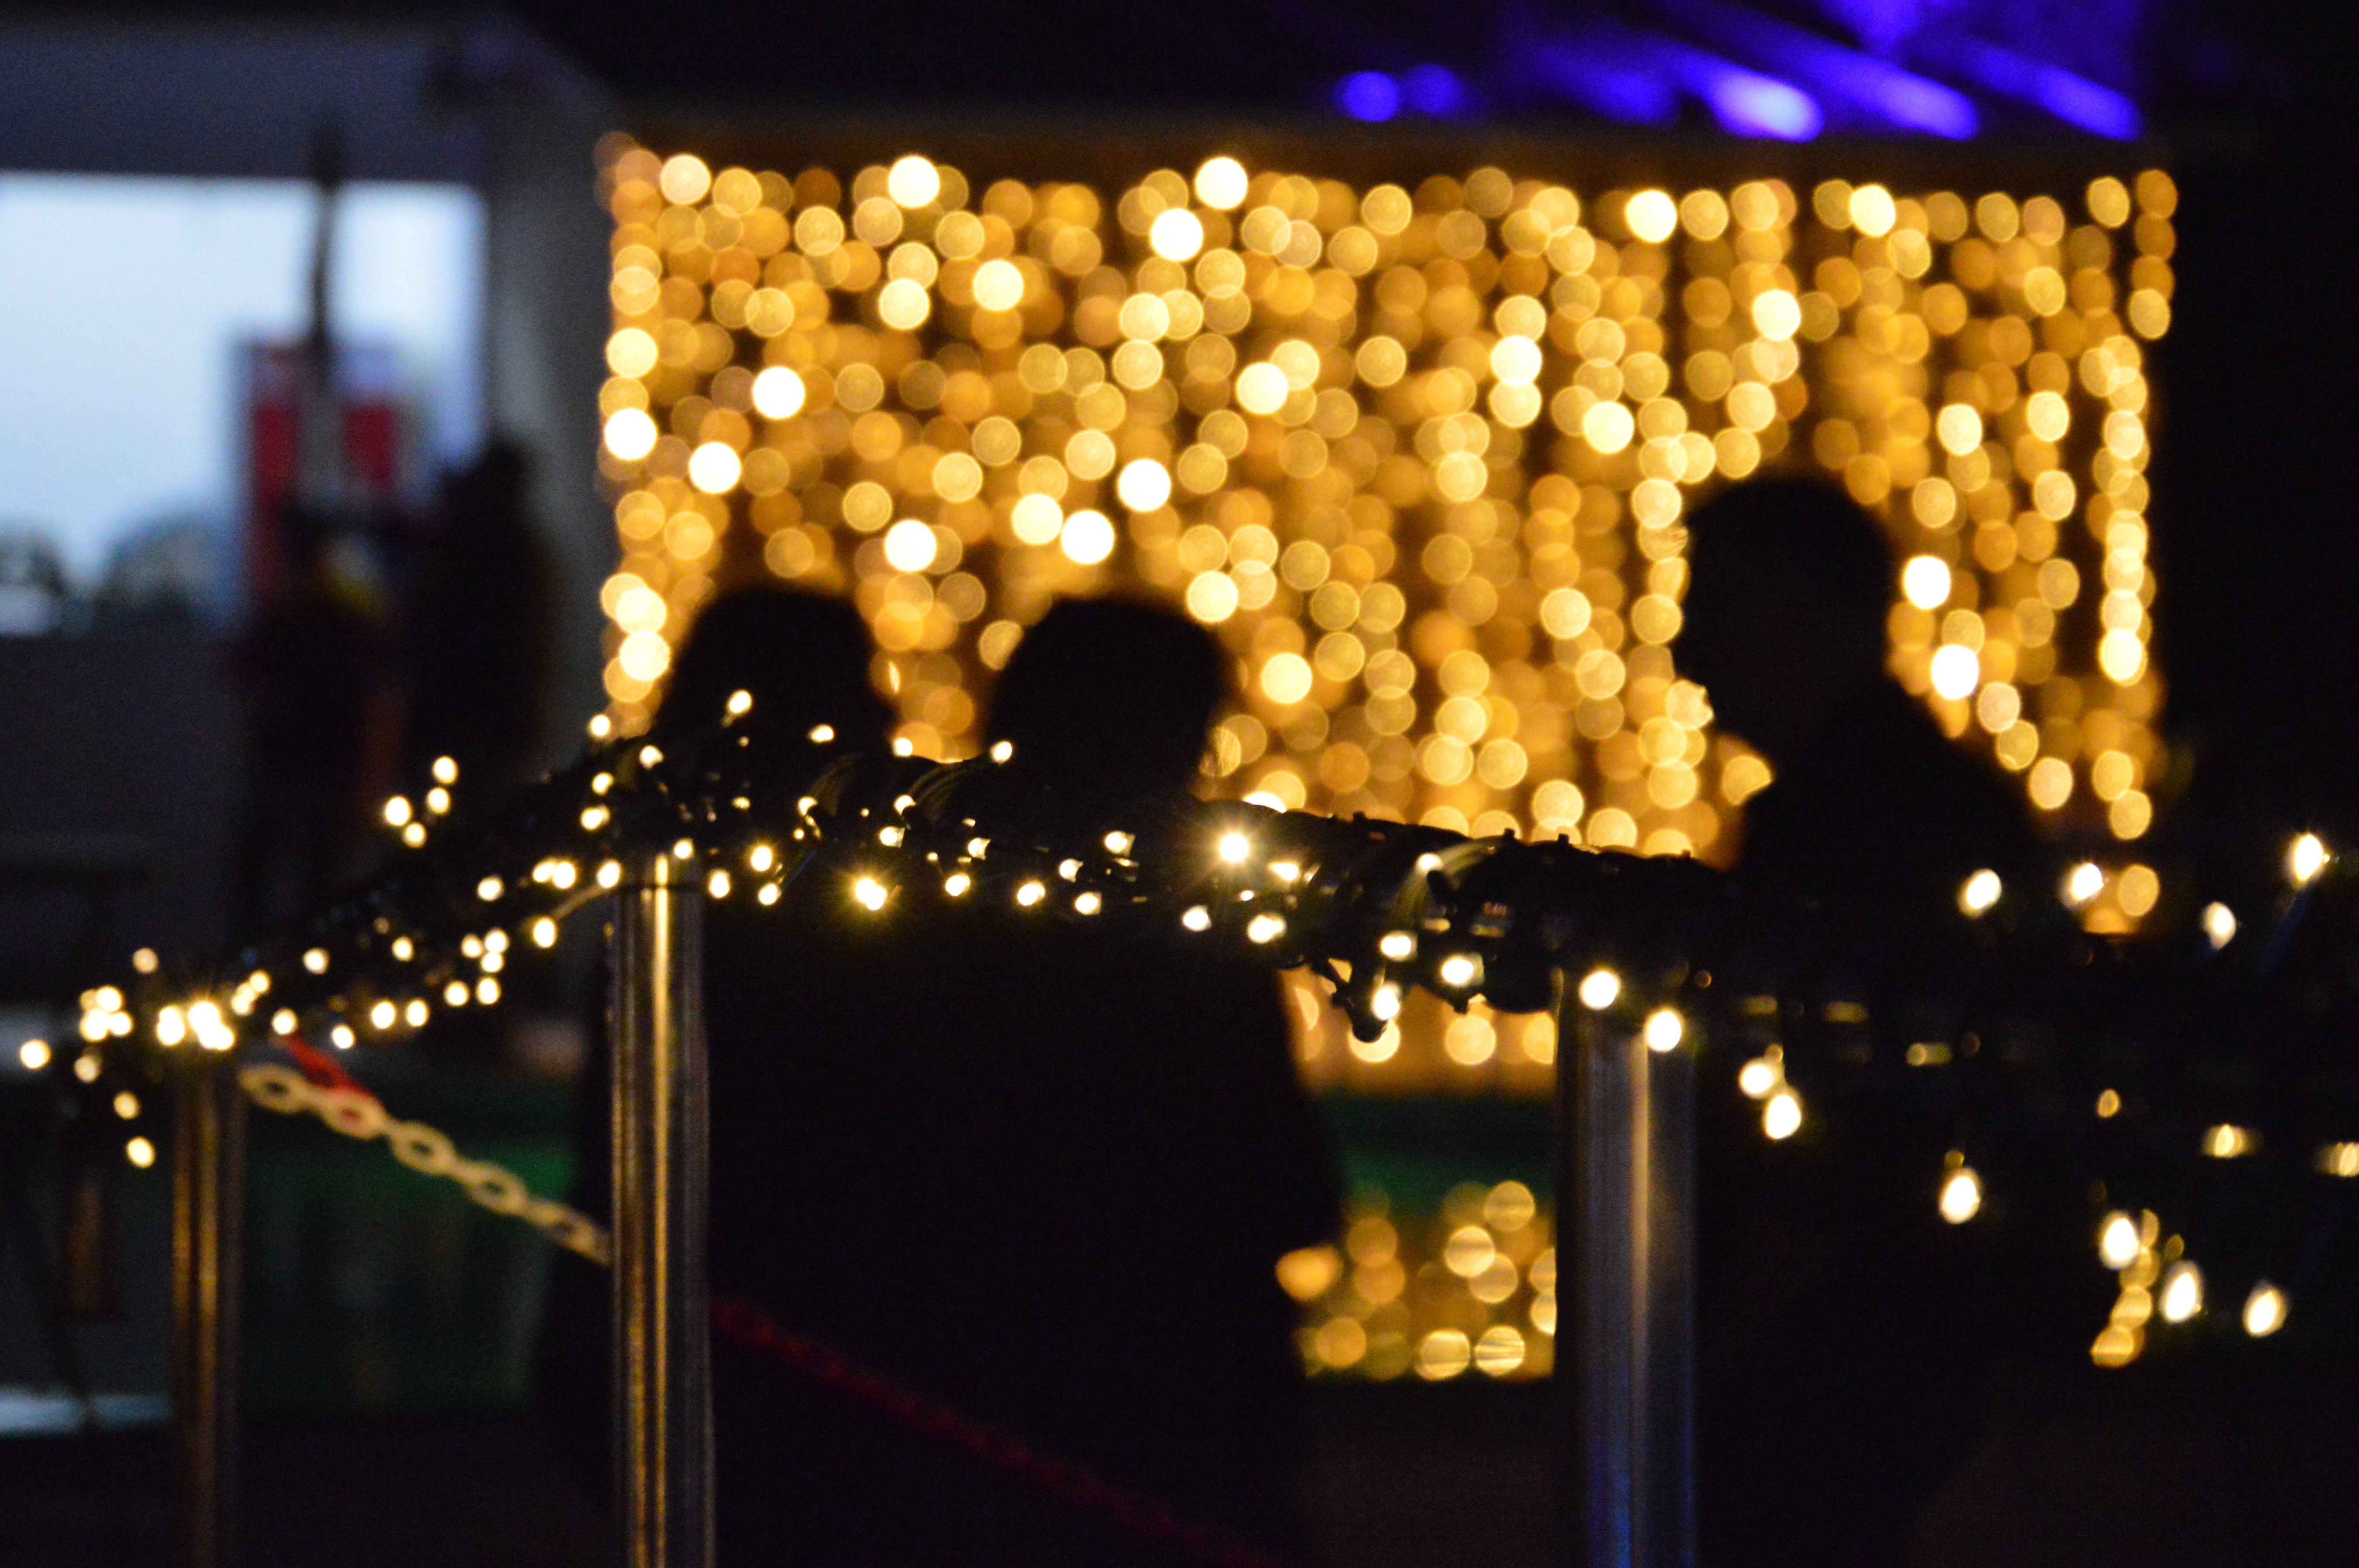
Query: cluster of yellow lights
1471,1290
1421,456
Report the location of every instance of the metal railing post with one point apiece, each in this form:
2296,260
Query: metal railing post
208,1204
1625,1241
663,1419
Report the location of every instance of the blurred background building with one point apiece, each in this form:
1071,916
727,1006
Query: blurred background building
498,178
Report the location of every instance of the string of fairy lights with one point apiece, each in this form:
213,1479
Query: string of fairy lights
1663,948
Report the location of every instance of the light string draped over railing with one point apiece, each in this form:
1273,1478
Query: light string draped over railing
1994,1015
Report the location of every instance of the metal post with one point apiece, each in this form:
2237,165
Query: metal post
1626,1365
663,1415
208,1202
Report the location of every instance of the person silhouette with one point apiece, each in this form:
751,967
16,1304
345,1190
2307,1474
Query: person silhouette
1038,1171
804,660
475,628
1847,1338
1869,806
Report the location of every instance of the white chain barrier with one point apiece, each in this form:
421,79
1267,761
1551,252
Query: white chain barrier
359,1115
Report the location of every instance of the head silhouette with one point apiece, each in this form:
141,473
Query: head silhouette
1790,581
803,656
1110,698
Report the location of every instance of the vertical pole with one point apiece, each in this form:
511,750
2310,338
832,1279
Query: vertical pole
1627,1132
663,1421
208,1201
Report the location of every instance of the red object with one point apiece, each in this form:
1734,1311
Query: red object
322,1069
748,1327
274,417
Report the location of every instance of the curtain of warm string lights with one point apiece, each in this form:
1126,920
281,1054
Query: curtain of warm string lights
1421,457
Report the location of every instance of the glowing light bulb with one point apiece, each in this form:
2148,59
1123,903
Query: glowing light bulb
1925,582
1758,1077
438,800
2227,1141
1663,1030
1119,842
761,857
1782,1117
1235,847
454,995
2082,883
913,182
1286,870
396,810
446,771
544,930
715,886
1398,946
86,1068
126,1106
610,873
1197,918
2181,1296
488,889
171,1026
415,1014
1460,970
316,961
1003,750
382,1015
1385,1003
2264,1310
2218,925
601,727
767,895
1069,869
1956,671
1980,892
563,875
1176,233
909,545
868,893
1222,182
34,1054
1030,893
1599,989
2117,1241
1088,904
684,849
140,1152
284,1022
342,1036
1961,1195
403,948
593,819
1087,538
1265,928
487,990
2306,856
779,393
957,883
